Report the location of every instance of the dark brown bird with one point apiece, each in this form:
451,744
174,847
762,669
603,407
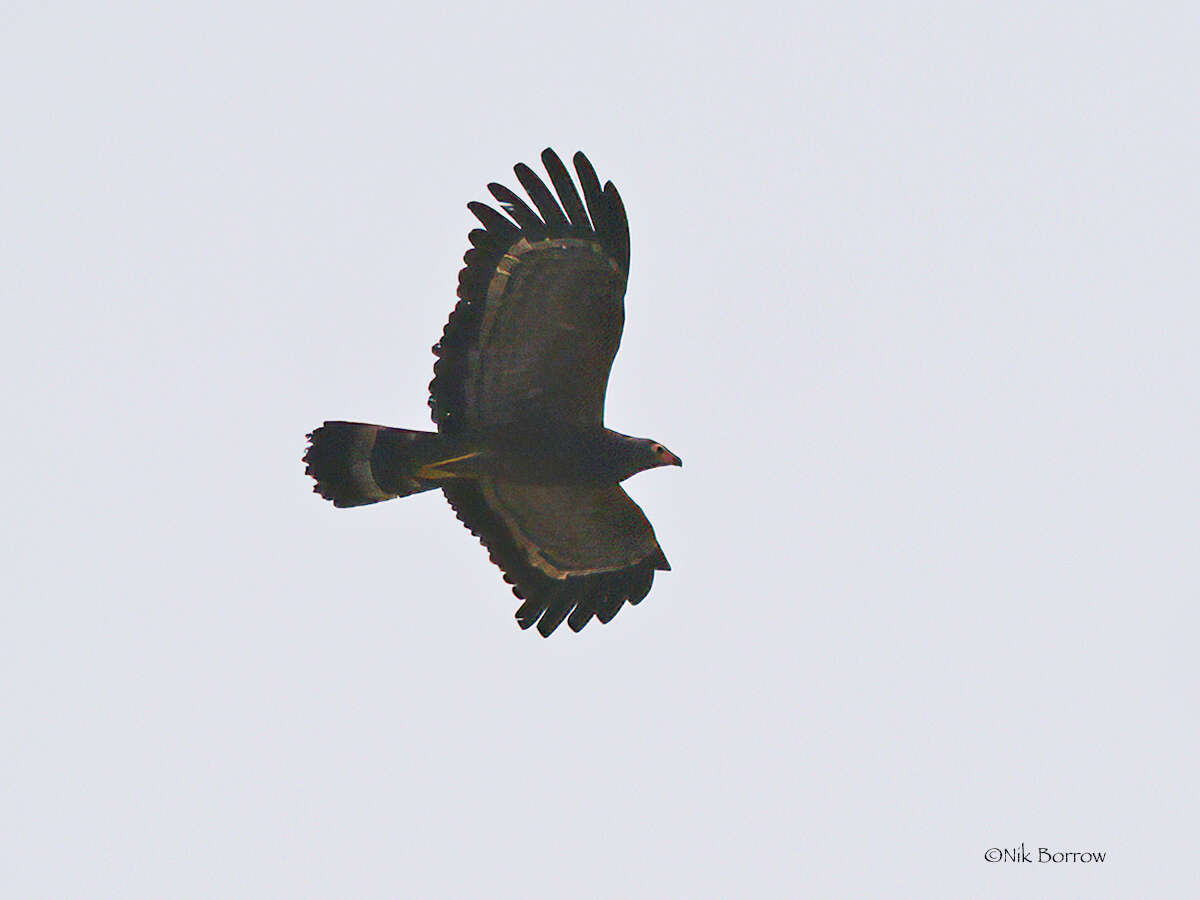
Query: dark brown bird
521,451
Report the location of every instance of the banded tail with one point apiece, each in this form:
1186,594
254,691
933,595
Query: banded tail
355,464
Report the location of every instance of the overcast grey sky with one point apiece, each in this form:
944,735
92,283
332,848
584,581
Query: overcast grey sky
913,293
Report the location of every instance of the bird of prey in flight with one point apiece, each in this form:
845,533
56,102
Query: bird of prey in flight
521,451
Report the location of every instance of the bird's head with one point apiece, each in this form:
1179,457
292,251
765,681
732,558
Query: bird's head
661,456
627,455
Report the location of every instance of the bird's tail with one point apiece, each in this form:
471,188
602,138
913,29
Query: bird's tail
355,464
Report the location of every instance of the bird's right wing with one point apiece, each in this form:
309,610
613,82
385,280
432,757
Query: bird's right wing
541,306
570,551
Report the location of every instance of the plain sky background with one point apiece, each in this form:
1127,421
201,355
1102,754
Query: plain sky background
913,293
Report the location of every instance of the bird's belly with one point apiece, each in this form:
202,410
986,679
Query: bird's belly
534,469
523,455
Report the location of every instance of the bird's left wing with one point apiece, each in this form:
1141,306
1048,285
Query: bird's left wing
541,308
570,551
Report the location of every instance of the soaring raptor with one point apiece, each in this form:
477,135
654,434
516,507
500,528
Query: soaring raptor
521,451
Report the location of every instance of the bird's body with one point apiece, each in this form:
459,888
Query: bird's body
521,451
395,462
542,453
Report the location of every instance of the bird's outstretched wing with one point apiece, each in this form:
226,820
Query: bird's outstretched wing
570,551
541,306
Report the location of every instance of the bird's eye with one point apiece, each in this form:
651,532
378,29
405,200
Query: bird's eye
658,448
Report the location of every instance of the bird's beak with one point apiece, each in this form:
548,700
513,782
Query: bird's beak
672,460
